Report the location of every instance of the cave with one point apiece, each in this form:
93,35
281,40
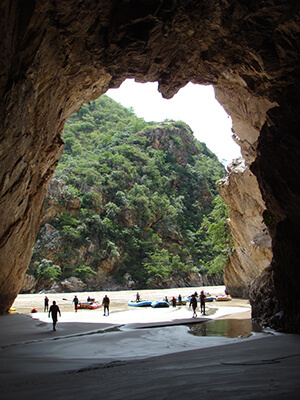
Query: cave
58,55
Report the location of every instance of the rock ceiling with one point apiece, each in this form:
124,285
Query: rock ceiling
56,55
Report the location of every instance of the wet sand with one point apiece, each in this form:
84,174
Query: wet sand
143,354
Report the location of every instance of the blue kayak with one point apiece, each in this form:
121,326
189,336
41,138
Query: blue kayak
142,303
160,304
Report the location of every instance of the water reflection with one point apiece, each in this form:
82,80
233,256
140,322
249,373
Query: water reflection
232,328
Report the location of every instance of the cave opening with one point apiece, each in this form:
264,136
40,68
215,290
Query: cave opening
196,104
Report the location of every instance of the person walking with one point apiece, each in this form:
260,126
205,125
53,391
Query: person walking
75,301
193,303
202,302
46,304
54,310
105,303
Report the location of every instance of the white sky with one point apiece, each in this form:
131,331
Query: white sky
194,104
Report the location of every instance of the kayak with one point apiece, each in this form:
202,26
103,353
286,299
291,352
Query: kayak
141,303
160,304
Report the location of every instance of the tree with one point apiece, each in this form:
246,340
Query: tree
48,271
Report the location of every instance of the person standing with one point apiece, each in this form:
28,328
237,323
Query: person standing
180,300
54,310
75,301
193,303
174,301
105,303
202,302
46,304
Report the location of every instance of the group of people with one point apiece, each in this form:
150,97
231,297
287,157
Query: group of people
193,303
54,310
175,301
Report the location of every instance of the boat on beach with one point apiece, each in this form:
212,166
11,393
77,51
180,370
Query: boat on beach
160,304
209,298
88,305
141,303
223,297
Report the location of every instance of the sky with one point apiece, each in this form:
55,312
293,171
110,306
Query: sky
194,104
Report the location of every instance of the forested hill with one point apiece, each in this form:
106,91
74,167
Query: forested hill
132,204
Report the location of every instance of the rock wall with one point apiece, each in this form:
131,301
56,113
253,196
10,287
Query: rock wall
252,241
57,55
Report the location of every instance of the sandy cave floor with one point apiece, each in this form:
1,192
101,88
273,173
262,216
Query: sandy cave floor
146,354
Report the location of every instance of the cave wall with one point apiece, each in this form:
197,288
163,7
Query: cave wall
55,56
252,242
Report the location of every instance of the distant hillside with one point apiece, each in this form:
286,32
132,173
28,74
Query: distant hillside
132,204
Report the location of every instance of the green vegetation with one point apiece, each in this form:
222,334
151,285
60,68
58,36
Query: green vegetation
148,202
47,272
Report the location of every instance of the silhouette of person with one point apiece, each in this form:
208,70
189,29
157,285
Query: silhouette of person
105,303
180,300
202,302
173,301
138,298
193,303
46,304
75,301
54,310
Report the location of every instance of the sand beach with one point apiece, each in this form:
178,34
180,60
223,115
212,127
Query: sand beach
144,353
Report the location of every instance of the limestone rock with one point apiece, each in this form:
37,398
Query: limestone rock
71,284
252,241
263,297
29,283
129,281
59,200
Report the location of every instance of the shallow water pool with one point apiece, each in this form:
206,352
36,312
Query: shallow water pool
231,328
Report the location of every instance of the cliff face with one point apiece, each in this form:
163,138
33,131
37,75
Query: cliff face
97,231
252,241
55,56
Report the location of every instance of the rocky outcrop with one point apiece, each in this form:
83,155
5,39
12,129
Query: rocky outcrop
71,284
28,284
252,242
163,138
55,56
